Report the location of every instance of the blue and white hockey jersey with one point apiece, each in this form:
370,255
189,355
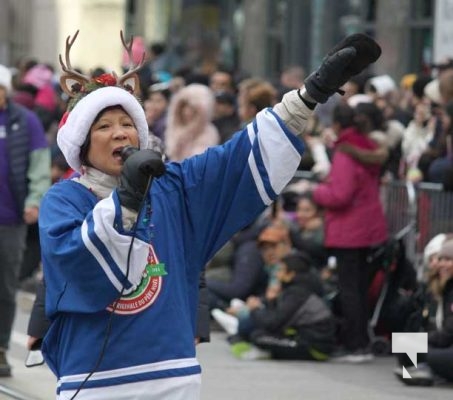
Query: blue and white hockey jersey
196,207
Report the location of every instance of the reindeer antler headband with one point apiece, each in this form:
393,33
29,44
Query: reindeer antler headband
89,96
76,85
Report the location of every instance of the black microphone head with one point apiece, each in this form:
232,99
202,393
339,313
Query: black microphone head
127,151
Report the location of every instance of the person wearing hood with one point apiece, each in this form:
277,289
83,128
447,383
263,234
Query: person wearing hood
354,224
189,128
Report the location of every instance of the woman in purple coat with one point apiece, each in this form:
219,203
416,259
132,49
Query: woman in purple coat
354,225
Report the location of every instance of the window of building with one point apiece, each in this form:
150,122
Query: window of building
422,9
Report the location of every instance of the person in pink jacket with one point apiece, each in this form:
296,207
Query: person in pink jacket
355,224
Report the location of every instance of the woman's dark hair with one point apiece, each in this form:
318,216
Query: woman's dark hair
418,86
308,196
83,155
368,117
297,261
343,115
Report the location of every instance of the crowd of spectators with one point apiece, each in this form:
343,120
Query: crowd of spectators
295,284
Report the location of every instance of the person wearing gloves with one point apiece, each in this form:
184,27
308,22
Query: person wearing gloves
123,245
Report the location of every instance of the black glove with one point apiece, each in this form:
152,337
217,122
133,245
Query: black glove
348,58
139,166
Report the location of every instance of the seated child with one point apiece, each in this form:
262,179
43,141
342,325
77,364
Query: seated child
297,324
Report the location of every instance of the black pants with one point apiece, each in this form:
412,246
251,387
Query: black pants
12,245
284,348
440,360
354,276
32,254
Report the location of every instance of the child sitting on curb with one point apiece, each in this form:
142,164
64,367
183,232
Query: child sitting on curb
296,325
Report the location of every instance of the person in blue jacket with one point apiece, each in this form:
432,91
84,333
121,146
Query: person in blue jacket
123,245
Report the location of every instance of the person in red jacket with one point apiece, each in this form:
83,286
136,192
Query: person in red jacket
354,225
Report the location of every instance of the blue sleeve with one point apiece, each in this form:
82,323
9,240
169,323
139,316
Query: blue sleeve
84,250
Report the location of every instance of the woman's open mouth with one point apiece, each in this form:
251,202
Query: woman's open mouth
117,154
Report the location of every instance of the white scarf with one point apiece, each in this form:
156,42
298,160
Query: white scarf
102,185
98,182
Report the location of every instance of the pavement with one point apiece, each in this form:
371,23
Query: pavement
226,378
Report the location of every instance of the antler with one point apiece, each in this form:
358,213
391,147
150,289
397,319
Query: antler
67,67
132,69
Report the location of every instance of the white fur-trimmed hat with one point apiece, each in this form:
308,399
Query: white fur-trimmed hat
73,132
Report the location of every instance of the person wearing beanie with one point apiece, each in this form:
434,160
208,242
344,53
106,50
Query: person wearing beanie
431,262
24,177
123,244
438,361
432,248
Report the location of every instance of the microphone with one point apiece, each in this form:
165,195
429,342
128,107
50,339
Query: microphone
127,151
149,162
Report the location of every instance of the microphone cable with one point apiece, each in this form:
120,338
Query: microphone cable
115,304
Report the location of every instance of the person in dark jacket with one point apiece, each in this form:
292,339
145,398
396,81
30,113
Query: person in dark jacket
438,361
297,324
24,178
243,274
309,236
226,119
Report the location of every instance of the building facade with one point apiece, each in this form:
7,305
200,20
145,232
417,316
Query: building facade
259,37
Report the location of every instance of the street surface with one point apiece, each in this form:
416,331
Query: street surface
226,378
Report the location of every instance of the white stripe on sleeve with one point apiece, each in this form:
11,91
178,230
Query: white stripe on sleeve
254,169
99,258
280,157
117,244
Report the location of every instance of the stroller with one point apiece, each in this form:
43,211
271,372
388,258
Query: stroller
395,297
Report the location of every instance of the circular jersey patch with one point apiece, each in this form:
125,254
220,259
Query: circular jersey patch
147,291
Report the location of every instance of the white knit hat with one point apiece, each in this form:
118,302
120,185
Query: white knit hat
432,91
447,249
73,132
358,98
433,247
5,78
383,84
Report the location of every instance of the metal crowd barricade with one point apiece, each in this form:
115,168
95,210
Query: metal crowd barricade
434,213
399,200
415,213
423,210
